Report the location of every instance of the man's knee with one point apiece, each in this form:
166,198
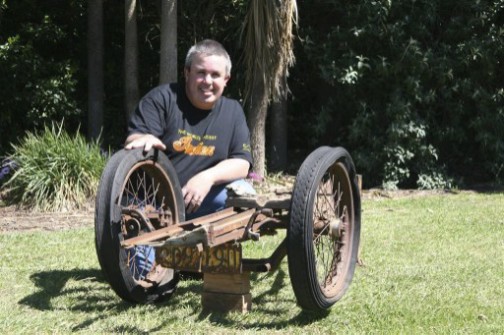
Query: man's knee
216,198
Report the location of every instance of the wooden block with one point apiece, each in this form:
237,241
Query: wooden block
226,302
238,283
226,292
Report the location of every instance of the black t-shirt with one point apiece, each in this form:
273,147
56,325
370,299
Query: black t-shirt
195,139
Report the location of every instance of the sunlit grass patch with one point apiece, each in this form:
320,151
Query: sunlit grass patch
432,265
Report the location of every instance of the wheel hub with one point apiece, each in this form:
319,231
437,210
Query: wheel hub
335,226
132,226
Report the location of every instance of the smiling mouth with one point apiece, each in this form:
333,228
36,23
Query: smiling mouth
206,91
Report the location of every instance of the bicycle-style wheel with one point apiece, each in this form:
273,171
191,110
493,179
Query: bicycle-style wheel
324,228
138,193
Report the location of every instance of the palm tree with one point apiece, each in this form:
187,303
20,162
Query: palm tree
168,52
268,45
95,68
278,138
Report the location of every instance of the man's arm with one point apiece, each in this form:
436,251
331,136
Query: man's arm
198,186
145,141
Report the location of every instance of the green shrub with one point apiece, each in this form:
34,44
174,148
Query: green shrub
55,170
37,86
410,88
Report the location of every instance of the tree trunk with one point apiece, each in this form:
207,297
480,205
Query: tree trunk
130,58
168,52
95,69
257,123
267,55
278,134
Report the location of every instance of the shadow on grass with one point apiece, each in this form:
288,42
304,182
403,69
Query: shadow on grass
86,290
90,290
259,302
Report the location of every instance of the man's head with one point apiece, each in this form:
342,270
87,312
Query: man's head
209,48
207,71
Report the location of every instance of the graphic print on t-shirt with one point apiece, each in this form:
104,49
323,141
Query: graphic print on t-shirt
185,144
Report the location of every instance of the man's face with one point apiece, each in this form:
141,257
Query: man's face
206,80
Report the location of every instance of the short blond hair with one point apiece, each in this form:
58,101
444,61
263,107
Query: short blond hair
209,48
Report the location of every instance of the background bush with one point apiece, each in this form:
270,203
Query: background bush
42,67
55,171
413,88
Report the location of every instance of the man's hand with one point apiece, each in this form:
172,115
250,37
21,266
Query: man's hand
197,188
145,141
195,191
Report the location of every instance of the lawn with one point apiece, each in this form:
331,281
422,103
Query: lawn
431,265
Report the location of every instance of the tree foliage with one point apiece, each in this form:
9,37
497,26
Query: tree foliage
413,88
39,66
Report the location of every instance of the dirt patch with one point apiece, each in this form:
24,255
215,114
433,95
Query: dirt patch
379,193
15,219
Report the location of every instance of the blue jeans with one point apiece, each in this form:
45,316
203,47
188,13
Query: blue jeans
216,199
213,202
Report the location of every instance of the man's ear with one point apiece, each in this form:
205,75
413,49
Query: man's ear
186,73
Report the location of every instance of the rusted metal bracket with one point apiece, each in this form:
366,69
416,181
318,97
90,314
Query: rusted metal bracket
266,264
249,233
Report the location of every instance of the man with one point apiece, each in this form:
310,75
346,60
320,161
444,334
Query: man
204,134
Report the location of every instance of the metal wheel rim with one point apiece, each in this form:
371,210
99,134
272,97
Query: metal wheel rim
150,178
333,207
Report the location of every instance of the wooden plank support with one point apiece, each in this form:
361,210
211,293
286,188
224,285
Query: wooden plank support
260,201
226,292
176,229
228,225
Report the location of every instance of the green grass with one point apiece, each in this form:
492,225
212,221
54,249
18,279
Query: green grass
432,265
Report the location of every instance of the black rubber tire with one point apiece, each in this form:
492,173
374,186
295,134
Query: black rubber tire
315,288
109,229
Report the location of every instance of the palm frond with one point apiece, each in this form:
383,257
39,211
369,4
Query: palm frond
268,45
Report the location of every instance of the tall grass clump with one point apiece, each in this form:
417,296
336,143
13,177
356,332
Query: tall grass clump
56,171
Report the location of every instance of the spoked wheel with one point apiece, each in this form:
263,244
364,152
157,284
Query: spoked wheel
138,193
324,228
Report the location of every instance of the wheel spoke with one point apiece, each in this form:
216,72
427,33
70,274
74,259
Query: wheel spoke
323,208
144,190
129,193
138,192
331,205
